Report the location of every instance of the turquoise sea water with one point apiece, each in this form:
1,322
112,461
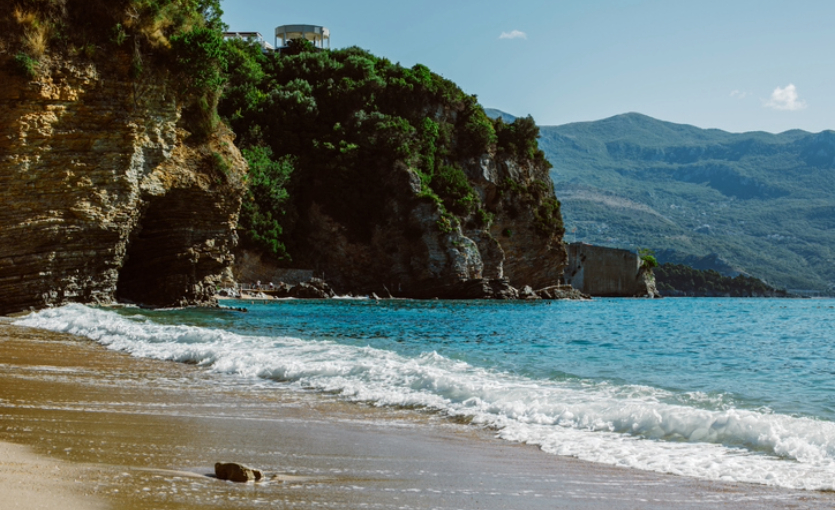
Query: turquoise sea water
737,389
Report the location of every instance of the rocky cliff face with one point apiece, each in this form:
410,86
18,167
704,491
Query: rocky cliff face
417,251
103,196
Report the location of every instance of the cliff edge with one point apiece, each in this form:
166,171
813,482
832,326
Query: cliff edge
105,193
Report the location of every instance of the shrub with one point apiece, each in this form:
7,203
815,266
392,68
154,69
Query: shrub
648,260
477,132
219,164
119,34
200,59
26,66
519,139
35,31
451,185
180,35
548,218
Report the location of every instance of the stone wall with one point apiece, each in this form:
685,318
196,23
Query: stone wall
251,267
102,195
608,272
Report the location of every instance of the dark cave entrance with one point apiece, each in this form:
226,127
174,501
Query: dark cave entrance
162,264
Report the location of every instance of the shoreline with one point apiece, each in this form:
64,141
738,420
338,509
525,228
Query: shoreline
151,431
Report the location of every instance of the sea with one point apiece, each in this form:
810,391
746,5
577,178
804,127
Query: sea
739,390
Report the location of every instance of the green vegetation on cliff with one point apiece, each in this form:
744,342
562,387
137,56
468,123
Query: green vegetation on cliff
327,127
180,39
681,280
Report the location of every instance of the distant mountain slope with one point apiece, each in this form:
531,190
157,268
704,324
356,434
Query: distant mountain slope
495,114
757,203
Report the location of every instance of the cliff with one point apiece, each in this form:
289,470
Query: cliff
388,179
104,195
415,250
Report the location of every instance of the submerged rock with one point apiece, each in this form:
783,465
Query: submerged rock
235,472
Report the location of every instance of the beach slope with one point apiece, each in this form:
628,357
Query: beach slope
142,434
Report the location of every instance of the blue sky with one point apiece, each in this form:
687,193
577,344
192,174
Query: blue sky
737,65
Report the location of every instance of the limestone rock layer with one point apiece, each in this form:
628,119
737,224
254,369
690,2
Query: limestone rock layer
103,197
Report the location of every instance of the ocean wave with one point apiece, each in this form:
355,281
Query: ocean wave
634,426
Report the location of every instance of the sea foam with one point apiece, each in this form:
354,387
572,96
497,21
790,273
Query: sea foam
626,425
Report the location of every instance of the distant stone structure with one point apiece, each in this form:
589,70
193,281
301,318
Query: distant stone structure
251,37
313,33
251,267
608,272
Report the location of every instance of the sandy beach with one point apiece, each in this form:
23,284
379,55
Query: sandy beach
37,482
83,427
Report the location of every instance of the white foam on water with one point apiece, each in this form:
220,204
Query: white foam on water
625,425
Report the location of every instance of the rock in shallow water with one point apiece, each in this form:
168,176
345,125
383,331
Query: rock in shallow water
235,472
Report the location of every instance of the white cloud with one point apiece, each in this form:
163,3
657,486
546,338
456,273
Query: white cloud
739,94
785,99
515,34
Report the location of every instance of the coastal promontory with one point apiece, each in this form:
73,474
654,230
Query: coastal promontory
388,179
138,146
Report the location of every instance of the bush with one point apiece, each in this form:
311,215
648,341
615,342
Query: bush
219,164
451,185
200,63
648,260
548,218
184,36
200,59
477,133
26,66
519,139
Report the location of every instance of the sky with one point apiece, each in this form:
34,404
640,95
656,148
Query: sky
736,65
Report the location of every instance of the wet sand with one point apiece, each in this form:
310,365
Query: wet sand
143,434
34,482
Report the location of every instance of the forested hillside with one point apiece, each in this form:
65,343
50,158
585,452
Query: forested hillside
384,177
757,203
681,280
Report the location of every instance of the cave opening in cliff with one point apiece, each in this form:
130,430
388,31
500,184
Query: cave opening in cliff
163,264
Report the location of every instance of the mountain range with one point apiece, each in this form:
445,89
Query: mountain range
753,203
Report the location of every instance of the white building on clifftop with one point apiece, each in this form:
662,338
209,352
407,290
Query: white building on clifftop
313,33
